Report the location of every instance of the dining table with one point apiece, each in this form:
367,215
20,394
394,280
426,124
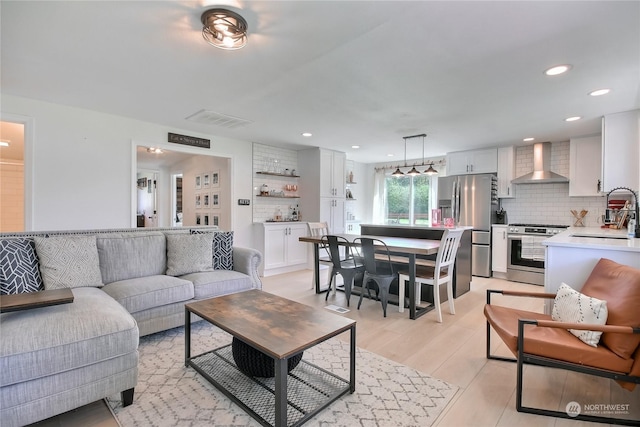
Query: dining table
410,250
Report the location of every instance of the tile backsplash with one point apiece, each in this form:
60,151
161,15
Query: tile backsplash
264,160
549,203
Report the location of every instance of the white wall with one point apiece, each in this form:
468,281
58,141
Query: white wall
82,171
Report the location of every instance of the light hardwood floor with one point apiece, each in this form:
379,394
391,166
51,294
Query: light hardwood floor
453,351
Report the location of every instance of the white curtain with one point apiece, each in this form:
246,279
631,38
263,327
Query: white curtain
379,198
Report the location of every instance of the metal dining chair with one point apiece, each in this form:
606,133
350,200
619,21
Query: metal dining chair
378,268
435,276
344,264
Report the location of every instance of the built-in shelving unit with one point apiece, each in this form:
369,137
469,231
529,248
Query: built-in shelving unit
278,174
278,197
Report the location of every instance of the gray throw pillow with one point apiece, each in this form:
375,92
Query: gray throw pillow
68,261
222,248
189,253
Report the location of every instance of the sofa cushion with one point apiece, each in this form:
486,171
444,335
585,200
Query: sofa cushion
143,293
222,248
68,261
43,341
619,285
219,282
19,269
571,306
129,255
189,253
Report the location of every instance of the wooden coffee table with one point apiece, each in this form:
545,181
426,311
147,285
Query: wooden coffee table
280,328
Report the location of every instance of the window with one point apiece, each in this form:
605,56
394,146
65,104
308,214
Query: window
409,199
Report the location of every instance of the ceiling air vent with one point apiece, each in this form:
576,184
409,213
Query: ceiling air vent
216,119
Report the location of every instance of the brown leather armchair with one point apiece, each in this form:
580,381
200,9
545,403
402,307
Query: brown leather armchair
534,338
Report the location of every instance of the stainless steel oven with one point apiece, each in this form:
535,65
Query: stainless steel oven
525,252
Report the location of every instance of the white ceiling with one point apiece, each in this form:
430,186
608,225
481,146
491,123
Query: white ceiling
469,74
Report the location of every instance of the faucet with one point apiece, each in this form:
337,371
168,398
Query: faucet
635,203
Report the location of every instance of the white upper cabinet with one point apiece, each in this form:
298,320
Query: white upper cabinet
585,166
506,172
621,150
473,161
322,185
332,176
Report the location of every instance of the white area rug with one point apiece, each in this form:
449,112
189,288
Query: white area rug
387,394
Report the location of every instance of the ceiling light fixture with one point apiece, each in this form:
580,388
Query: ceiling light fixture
307,134
224,29
557,70
600,92
355,146
154,150
572,119
529,139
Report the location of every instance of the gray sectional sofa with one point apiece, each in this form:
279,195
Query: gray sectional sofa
126,283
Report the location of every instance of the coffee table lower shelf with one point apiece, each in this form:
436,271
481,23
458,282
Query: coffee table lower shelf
309,387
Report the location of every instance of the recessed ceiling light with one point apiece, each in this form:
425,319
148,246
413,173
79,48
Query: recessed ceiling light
558,69
572,119
307,134
355,146
389,155
600,92
528,139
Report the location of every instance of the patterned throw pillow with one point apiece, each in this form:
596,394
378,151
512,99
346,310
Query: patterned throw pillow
573,307
222,248
68,261
19,271
189,253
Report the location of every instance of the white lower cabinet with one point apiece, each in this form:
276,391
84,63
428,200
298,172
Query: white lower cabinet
332,211
282,251
499,250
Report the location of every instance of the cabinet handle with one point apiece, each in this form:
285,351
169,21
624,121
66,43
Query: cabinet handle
508,190
599,186
504,234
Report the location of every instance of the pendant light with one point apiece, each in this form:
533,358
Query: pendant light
430,171
413,171
398,173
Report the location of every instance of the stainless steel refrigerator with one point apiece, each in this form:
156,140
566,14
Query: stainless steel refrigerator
472,200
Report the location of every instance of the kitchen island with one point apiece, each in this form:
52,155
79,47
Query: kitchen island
462,270
571,255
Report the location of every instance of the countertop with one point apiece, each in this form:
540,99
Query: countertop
414,227
595,238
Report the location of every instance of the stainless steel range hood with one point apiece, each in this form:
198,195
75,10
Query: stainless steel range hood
541,167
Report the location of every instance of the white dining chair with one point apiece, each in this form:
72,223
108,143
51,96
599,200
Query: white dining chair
437,275
319,229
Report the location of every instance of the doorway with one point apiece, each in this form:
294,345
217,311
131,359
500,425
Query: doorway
189,188
12,176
